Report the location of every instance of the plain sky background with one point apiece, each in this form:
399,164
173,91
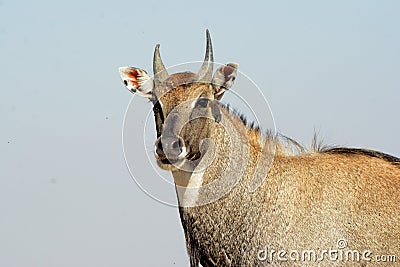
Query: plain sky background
66,196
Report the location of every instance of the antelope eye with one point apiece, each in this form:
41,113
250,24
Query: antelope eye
202,102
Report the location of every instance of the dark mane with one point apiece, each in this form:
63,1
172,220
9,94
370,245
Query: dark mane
365,152
240,116
316,146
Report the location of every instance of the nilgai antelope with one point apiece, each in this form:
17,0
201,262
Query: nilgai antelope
323,207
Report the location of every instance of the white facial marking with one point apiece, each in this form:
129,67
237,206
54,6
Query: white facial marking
193,104
183,153
155,153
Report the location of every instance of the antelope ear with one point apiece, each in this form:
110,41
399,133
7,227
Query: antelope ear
137,81
223,79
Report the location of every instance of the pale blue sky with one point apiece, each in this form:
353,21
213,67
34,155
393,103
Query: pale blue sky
66,196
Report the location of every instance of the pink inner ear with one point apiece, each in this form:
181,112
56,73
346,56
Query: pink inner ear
133,74
227,72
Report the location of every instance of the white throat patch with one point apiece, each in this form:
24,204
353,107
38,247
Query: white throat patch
188,186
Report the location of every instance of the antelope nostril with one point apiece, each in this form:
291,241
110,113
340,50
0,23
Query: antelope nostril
170,147
177,145
174,146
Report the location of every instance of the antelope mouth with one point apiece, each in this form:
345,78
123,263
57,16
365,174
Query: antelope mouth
168,163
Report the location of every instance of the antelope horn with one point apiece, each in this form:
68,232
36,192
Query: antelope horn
206,70
160,73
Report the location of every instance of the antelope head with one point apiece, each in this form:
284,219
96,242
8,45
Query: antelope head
185,105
